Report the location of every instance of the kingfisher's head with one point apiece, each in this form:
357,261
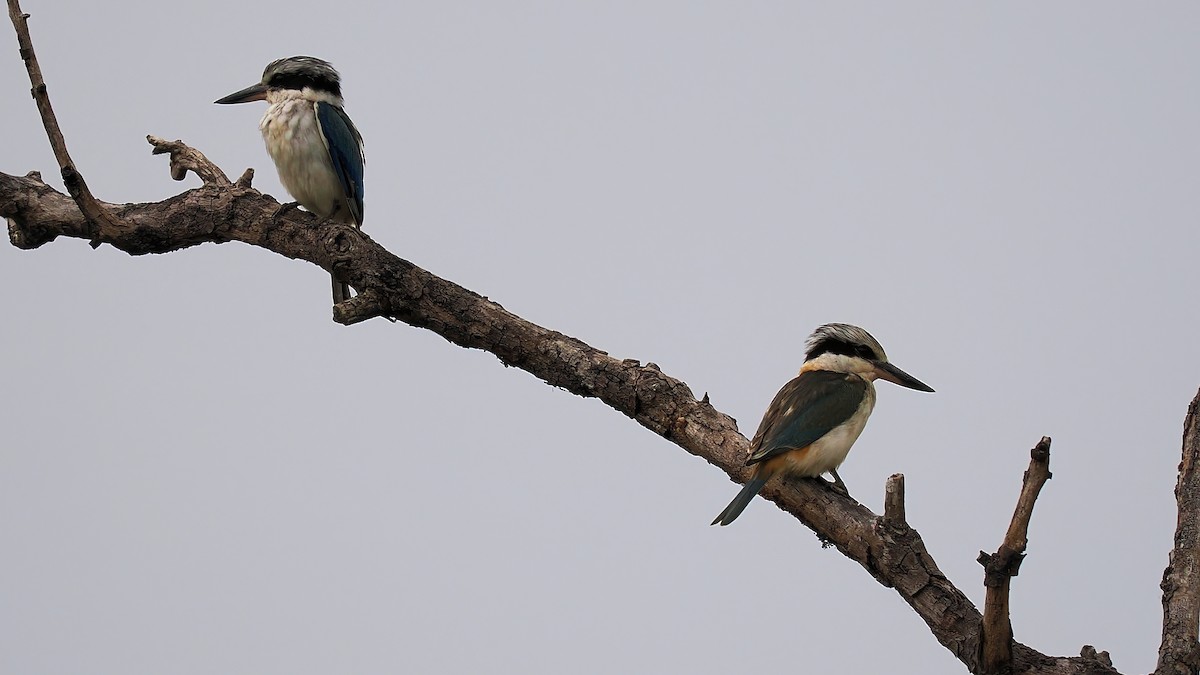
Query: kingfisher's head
841,347
300,75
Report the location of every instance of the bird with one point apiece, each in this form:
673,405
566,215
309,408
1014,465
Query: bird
316,148
815,418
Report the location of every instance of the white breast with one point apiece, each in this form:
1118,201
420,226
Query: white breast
830,450
293,137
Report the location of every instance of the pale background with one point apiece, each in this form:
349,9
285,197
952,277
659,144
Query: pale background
201,473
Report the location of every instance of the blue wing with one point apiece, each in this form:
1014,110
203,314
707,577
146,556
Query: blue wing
818,401
345,151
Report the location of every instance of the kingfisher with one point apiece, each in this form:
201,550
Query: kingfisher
809,427
316,148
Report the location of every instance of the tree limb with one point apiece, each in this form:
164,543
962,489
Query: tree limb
1179,653
95,214
896,556
996,635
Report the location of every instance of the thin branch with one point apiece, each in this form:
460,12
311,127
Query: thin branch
185,158
1179,653
97,216
996,638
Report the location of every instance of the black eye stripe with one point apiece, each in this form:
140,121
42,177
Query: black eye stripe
842,348
302,80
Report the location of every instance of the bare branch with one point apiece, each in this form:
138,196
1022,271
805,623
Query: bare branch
1179,653
392,287
996,638
96,214
893,501
185,158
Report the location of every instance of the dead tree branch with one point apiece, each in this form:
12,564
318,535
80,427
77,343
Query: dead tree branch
390,286
1179,653
893,502
95,214
185,158
996,637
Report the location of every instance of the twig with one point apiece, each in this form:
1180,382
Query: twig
185,158
996,636
97,216
893,501
1179,653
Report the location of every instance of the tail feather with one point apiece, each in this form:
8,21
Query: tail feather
740,502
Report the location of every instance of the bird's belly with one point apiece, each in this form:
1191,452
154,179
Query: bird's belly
293,140
829,451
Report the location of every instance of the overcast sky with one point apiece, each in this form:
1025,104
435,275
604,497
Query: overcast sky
201,473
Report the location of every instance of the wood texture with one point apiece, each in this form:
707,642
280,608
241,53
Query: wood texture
1179,653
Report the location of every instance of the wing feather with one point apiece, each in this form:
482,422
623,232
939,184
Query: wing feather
345,152
811,405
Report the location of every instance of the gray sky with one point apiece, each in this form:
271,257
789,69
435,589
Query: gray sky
201,473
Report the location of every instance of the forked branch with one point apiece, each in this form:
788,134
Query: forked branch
996,637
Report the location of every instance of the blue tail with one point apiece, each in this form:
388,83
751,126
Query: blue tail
739,502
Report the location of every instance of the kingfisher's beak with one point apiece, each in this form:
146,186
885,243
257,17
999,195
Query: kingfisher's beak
257,92
887,371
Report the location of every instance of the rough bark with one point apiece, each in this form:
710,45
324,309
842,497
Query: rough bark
996,633
1179,653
